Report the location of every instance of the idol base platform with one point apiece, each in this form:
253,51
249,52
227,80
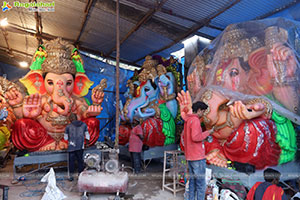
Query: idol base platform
44,160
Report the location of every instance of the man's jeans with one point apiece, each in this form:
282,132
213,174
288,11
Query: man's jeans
197,179
73,156
136,161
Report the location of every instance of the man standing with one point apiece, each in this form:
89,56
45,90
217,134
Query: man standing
75,133
135,145
194,144
268,189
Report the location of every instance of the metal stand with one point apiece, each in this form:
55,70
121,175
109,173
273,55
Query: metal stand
174,186
84,196
5,191
148,155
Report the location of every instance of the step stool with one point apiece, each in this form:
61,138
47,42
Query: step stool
173,186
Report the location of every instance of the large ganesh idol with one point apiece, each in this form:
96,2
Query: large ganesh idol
249,78
55,90
7,117
151,100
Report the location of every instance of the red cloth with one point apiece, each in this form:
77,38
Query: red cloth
93,125
124,134
273,192
252,142
181,143
193,138
152,129
135,143
31,135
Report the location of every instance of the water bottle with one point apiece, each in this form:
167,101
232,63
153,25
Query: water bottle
215,192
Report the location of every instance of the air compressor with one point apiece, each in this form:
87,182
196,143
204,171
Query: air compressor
102,175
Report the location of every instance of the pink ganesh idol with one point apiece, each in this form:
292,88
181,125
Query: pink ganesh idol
249,79
55,91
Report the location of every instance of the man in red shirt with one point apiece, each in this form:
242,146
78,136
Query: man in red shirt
135,145
268,189
194,144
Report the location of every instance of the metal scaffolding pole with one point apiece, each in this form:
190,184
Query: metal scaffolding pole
117,74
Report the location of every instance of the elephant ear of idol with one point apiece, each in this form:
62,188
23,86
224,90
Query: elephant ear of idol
58,61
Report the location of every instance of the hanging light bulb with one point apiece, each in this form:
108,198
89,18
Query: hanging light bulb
24,64
4,22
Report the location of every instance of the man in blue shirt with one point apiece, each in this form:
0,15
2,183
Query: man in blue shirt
75,133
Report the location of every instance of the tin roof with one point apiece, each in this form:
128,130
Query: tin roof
149,27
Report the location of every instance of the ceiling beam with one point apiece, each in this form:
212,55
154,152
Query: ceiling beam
204,35
5,34
194,29
87,9
39,27
98,53
38,24
51,37
5,49
147,16
144,4
171,13
215,27
278,10
32,32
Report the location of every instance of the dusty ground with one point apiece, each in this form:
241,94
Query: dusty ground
145,186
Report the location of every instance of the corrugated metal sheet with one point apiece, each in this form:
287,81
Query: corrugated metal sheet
174,20
133,5
210,31
66,21
247,10
17,42
68,10
142,43
100,30
291,13
193,9
99,33
21,18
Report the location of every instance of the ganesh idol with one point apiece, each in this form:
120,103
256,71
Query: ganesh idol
249,78
55,91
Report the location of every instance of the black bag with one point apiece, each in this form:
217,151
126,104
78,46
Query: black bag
145,147
244,167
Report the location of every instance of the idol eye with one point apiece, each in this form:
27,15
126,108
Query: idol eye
147,89
69,83
234,72
50,82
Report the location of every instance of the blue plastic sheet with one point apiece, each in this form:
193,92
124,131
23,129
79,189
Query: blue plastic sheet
96,71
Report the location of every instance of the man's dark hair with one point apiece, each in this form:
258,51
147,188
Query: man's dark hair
73,117
135,123
199,105
271,174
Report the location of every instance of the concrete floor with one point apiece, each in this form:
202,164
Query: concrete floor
147,185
